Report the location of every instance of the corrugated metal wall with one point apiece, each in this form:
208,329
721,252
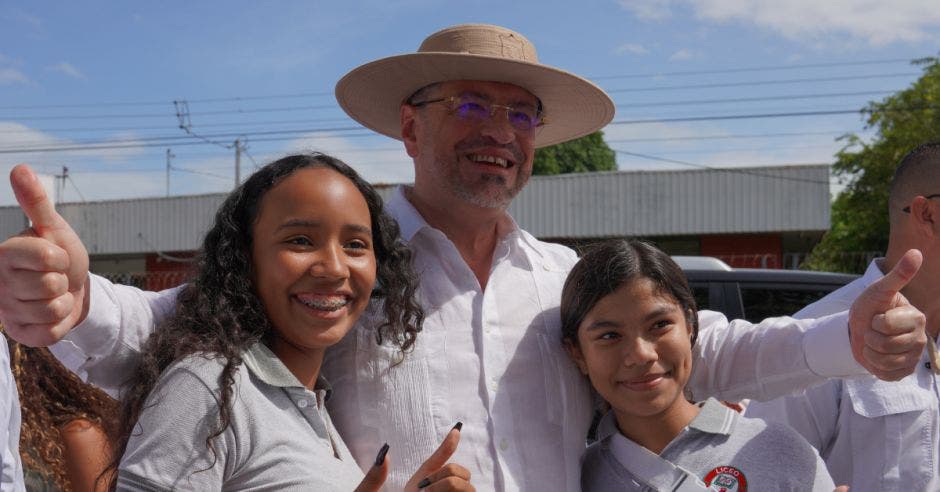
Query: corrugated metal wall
665,203
661,203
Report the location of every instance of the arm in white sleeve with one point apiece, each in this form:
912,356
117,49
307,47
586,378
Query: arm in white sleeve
813,413
11,467
104,348
776,357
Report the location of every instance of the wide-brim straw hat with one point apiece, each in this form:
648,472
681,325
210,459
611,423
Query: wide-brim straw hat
372,94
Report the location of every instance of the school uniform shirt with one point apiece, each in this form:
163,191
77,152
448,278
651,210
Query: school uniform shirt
280,436
11,467
719,448
492,359
874,435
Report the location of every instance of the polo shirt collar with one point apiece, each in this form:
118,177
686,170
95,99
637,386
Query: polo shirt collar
713,418
267,367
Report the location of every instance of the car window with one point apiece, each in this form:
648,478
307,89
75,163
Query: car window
700,292
766,302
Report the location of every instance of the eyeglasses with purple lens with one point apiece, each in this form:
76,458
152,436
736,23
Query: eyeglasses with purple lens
468,107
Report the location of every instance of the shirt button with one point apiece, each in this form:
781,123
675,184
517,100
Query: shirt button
494,385
503,444
302,403
546,267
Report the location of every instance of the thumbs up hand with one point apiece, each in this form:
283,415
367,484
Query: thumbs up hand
43,270
887,333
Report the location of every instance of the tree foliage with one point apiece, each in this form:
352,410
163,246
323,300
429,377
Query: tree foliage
586,154
860,212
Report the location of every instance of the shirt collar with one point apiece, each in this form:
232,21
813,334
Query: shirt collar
269,369
713,418
410,221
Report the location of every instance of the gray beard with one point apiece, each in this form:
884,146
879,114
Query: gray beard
501,201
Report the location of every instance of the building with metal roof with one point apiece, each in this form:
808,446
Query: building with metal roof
762,213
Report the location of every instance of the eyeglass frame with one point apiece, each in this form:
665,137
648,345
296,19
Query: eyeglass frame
492,109
907,209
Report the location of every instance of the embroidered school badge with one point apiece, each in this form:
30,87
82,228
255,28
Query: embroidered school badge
726,479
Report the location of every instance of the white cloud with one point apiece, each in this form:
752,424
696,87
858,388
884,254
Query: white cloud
631,48
681,55
17,136
814,22
10,76
648,10
378,160
67,69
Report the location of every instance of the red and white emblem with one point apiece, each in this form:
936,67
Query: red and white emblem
726,479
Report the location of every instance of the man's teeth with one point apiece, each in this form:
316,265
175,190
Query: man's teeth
490,160
325,304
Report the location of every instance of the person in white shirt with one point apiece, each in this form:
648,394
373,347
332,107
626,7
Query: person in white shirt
11,466
470,106
874,435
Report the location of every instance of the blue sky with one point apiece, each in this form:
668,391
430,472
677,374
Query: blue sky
107,73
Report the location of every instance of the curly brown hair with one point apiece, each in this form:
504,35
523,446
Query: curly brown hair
51,396
219,313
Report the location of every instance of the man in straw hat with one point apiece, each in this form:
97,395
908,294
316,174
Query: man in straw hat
471,106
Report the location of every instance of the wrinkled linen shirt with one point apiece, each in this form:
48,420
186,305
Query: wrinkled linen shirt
874,435
280,436
11,467
492,359
719,448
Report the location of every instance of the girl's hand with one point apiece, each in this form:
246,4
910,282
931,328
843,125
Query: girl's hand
436,475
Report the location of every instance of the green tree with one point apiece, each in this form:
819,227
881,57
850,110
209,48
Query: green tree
586,154
860,212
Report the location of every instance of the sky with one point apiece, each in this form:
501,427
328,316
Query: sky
102,87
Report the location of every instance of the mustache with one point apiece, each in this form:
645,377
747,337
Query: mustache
478,143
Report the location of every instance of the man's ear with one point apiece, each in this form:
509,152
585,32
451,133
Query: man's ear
925,216
408,115
574,351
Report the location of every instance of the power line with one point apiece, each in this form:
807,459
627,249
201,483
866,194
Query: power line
726,136
762,82
720,169
692,102
771,115
765,68
167,102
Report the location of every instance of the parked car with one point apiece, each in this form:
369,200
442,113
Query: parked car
755,294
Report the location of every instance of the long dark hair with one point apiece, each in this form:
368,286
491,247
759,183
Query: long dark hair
219,314
611,264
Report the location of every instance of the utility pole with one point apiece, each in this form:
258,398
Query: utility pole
238,162
169,157
60,184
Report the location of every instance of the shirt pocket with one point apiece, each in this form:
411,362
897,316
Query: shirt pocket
893,433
